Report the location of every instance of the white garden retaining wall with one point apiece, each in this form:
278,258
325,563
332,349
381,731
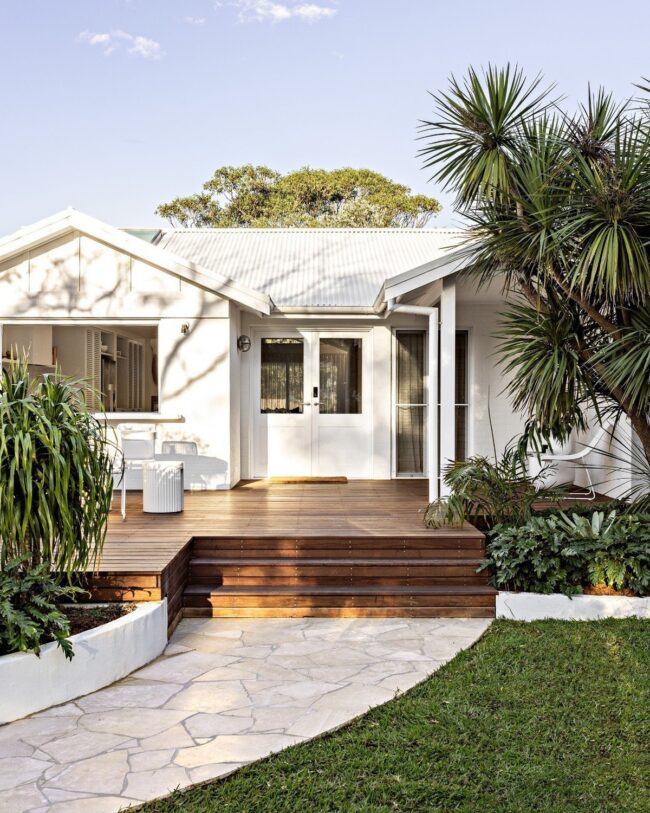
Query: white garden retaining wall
101,656
537,606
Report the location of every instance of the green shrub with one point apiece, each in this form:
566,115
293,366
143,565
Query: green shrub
29,615
557,553
485,492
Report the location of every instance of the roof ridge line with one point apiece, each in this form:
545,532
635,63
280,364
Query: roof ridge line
316,230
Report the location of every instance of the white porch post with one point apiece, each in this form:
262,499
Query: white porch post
447,395
433,459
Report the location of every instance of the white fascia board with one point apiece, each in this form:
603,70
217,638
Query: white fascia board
48,229
424,275
71,220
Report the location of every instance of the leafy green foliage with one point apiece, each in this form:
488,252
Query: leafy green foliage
558,553
56,481
256,196
29,615
486,492
559,204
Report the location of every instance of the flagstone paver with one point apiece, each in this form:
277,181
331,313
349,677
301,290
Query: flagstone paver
224,693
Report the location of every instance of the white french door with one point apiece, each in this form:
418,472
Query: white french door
311,403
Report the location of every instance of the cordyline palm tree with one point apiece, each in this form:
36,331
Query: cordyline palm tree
559,207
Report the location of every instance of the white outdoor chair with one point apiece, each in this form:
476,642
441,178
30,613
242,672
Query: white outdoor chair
137,445
576,457
118,471
179,447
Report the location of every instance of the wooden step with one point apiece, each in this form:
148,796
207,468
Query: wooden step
333,572
386,598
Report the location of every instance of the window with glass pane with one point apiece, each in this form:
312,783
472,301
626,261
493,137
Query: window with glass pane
462,393
410,401
282,386
340,376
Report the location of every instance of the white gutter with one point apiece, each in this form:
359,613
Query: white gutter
433,460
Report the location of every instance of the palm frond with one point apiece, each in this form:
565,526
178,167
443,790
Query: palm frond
474,138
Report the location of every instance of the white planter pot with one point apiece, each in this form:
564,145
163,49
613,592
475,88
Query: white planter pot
101,656
537,606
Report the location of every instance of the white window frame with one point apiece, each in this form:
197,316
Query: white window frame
469,440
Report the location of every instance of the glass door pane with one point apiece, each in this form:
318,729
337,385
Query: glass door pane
282,376
462,394
340,376
410,402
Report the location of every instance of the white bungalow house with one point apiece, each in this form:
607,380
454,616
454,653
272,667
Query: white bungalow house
305,352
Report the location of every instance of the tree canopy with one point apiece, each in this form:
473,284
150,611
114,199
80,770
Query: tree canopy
559,206
256,196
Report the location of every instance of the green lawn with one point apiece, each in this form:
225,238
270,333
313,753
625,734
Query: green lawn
551,716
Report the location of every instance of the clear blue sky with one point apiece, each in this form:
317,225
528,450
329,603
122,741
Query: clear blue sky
113,106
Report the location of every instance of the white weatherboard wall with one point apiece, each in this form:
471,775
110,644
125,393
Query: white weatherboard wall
78,280
101,656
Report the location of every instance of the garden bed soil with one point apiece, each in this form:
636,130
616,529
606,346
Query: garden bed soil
606,590
83,617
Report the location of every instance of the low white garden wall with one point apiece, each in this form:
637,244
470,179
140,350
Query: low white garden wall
101,656
537,606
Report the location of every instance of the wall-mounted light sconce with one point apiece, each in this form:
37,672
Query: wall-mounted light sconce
185,328
244,343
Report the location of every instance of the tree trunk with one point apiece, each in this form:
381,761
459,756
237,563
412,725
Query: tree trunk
641,426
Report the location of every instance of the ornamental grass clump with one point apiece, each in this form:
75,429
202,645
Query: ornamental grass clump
56,479
56,484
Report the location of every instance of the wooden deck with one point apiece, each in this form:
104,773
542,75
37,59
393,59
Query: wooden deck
293,538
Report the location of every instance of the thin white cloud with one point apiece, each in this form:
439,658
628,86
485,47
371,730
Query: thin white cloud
194,20
146,48
269,11
136,45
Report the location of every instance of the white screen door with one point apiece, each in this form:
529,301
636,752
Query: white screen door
311,404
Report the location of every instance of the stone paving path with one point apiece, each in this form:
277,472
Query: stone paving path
225,692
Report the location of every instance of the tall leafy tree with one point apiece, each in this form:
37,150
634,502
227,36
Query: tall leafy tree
559,207
256,196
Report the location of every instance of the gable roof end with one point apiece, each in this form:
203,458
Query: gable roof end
71,220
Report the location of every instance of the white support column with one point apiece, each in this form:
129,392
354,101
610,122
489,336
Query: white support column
447,395
433,458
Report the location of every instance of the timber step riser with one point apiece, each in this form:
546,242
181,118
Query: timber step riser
337,581
330,553
284,546
341,612
351,601
336,573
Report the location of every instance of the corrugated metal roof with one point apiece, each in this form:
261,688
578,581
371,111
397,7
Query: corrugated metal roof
312,267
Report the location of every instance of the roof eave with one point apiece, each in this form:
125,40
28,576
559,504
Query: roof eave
418,277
